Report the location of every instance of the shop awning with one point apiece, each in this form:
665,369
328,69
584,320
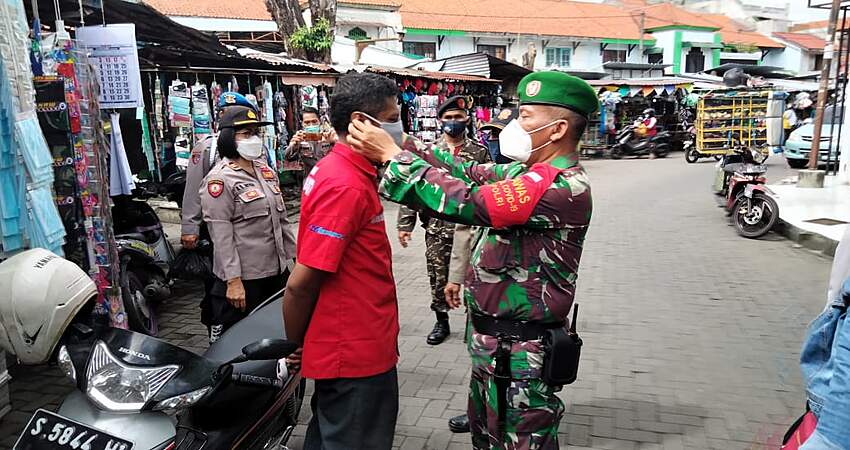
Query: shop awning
653,51
711,45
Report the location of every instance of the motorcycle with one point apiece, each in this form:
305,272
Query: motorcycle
138,392
144,255
659,145
742,185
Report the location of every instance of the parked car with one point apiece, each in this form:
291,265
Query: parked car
799,143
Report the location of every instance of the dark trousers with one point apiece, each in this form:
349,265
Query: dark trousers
223,315
354,413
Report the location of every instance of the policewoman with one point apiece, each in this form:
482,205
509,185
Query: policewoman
524,265
246,216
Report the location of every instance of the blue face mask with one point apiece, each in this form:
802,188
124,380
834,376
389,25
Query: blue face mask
496,152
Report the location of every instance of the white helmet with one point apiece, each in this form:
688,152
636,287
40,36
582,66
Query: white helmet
40,293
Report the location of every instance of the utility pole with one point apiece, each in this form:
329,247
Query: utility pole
823,91
642,31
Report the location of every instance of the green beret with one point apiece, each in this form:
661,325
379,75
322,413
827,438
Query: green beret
558,89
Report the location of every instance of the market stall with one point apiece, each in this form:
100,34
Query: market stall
623,101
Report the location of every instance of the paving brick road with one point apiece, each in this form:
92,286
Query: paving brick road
691,332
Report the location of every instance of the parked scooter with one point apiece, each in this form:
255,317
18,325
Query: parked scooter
138,392
659,145
742,184
145,255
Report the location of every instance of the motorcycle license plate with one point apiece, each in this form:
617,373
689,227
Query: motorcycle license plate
49,431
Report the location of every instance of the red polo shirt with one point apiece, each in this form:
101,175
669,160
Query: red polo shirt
354,329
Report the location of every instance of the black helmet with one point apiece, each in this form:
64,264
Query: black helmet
649,112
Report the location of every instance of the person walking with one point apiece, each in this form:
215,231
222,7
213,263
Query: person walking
525,264
454,119
340,302
192,228
243,207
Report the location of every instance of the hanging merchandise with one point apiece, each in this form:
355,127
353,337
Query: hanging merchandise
113,51
426,126
309,97
215,93
180,117
200,112
268,115
120,176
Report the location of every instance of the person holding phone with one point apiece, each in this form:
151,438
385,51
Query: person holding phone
312,142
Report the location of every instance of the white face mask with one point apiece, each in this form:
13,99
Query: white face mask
250,148
515,142
394,129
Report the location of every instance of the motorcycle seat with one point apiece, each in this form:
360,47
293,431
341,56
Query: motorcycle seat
264,322
147,238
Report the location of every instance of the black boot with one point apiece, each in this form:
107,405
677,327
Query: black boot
459,424
440,332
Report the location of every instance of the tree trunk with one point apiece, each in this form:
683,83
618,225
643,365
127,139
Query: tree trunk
324,9
287,15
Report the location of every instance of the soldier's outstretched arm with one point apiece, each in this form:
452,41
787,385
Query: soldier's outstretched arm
542,197
473,172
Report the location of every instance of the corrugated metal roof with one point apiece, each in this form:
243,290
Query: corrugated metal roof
472,64
657,81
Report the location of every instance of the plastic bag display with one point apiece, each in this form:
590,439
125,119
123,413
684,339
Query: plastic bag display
194,264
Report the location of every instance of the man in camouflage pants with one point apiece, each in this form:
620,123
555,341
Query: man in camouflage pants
439,233
525,263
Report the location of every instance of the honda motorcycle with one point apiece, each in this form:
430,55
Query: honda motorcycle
136,392
659,145
742,184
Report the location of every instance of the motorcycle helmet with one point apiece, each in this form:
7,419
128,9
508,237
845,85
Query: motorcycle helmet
42,293
649,112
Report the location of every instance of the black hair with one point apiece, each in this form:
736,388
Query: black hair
578,123
227,143
363,92
310,110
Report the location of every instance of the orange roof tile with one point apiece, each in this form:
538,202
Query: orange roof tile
665,14
809,26
535,17
242,9
735,33
803,40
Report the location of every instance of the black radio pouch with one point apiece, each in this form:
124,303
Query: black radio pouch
562,354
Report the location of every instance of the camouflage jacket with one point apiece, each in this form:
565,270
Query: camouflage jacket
469,151
525,263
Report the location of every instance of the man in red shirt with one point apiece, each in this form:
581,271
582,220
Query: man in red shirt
340,301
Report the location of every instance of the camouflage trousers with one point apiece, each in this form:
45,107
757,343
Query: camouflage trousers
533,413
438,253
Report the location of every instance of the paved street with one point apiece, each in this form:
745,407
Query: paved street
691,332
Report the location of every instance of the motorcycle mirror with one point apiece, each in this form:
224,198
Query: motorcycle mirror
267,349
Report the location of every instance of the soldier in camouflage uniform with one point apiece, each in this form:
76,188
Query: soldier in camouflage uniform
439,233
525,264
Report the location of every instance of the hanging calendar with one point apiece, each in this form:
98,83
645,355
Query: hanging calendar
112,50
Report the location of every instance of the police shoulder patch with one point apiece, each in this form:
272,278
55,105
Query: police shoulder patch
268,173
215,188
233,166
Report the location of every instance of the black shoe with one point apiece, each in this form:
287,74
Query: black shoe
459,424
440,332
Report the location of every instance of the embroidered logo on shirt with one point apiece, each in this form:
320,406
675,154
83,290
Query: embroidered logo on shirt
377,219
326,232
195,158
215,188
308,185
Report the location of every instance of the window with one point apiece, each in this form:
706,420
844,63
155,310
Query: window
656,58
558,57
426,49
498,51
694,61
357,34
818,62
613,56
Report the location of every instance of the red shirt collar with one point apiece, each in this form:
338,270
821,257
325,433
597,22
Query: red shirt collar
355,158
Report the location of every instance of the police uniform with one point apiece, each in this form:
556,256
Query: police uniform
204,157
247,221
439,233
524,264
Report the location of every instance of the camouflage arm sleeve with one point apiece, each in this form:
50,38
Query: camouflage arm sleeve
539,198
406,219
469,171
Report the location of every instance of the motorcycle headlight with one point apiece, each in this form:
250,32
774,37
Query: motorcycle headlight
63,359
115,386
183,400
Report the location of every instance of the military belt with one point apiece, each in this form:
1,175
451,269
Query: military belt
517,329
